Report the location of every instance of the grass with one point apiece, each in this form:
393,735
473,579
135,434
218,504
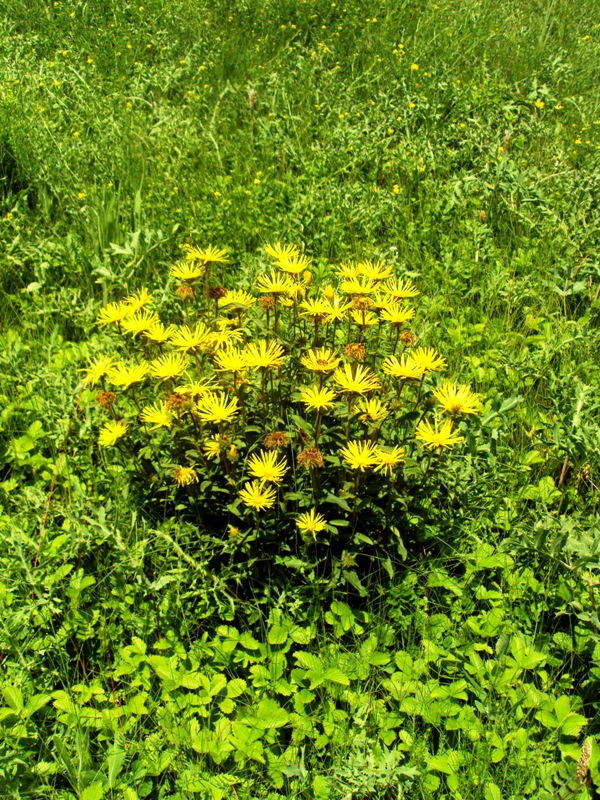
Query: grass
459,141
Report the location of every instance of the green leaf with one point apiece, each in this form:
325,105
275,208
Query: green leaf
492,792
334,675
236,687
269,714
93,792
13,697
278,634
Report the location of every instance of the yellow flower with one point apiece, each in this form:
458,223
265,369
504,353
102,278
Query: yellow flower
435,436
311,522
169,366
210,255
186,339
212,448
156,416
374,270
539,103
138,300
356,286
360,381
186,270
318,399
258,496
328,292
336,310
266,467
397,314
428,358
274,284
197,388
399,289
371,410
279,251
237,299
185,475
314,308
359,455
97,370
414,67
388,459
404,368
218,339
231,360
126,375
140,322
323,360
159,333
111,432
216,407
263,354
293,265
113,312
364,318
348,270
457,399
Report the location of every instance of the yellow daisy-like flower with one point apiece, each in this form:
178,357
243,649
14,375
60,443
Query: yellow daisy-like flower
371,410
359,380
404,368
212,448
293,265
113,312
111,432
280,251
197,388
217,407
157,416
359,455
314,308
388,459
169,366
258,496
159,333
323,360
186,339
210,255
97,369
336,310
428,358
318,399
138,300
264,355
328,292
218,339
274,284
437,435
457,399
357,286
125,375
186,270
265,466
348,270
231,360
374,270
311,522
397,314
364,318
399,289
140,322
185,475
237,299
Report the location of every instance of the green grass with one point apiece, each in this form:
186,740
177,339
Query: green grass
128,130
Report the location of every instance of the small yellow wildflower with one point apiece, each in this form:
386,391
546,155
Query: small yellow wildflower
186,270
210,255
97,369
388,459
372,410
264,355
217,407
111,432
169,366
258,496
265,466
360,381
318,399
157,416
429,359
185,475
311,522
457,399
125,375
360,455
323,360
434,436
113,312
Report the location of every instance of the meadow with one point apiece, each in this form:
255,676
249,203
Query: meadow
299,413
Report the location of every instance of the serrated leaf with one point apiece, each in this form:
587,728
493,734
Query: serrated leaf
278,634
334,675
236,687
94,791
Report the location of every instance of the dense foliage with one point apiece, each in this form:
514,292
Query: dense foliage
186,608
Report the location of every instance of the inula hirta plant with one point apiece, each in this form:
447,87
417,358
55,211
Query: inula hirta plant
299,405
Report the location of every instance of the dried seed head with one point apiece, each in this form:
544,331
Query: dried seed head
362,303
276,439
408,338
105,399
583,764
266,301
482,216
217,292
310,458
178,402
356,351
184,291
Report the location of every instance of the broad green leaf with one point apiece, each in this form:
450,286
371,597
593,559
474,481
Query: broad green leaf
93,792
236,687
335,675
278,634
492,792
13,697
269,714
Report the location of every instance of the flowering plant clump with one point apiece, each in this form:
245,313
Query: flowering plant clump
303,406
